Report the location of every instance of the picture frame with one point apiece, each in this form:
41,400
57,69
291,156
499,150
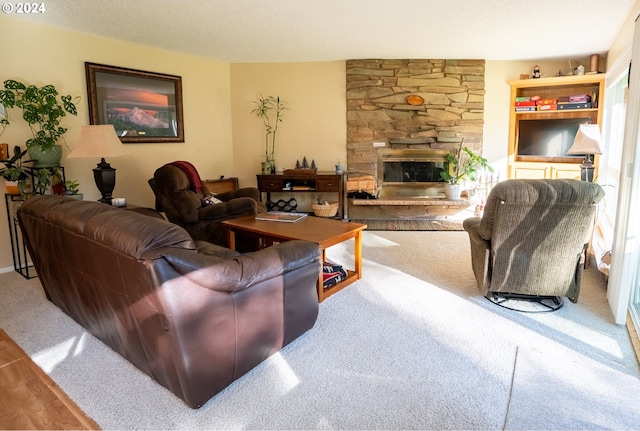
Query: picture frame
144,107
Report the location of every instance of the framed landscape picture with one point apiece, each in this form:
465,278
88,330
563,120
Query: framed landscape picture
144,107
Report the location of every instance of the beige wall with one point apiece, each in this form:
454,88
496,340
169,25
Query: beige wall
42,54
314,126
222,137
622,44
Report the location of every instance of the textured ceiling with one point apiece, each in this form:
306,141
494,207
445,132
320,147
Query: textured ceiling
241,31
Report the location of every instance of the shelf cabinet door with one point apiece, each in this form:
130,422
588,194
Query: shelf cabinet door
531,172
568,172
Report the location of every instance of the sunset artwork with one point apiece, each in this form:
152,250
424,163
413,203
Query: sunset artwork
139,112
141,106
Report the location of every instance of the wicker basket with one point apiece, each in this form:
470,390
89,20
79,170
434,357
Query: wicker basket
322,210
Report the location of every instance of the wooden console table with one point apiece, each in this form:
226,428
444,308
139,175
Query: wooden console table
319,182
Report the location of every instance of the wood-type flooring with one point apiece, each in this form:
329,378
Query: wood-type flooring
30,399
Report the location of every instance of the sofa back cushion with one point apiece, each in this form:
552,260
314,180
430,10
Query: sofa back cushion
128,232
537,195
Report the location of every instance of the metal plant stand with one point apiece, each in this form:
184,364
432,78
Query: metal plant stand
21,261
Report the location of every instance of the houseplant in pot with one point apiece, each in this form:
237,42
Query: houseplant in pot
14,174
43,109
270,111
48,179
464,165
72,189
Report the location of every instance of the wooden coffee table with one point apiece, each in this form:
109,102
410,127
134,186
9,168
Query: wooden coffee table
322,231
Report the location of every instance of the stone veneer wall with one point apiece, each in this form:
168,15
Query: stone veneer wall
378,111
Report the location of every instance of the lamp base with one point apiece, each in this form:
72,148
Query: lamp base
587,170
105,177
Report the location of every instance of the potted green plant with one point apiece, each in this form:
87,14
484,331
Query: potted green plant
43,109
14,174
72,189
464,165
270,111
45,177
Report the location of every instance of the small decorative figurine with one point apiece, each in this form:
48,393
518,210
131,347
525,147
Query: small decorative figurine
536,71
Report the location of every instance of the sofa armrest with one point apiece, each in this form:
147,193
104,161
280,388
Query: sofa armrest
245,192
480,253
223,211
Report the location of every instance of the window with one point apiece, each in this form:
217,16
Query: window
609,166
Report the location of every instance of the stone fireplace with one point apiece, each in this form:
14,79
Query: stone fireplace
410,114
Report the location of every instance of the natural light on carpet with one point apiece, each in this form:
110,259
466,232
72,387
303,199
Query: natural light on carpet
49,358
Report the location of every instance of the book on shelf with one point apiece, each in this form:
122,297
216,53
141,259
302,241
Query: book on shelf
547,107
281,216
525,103
566,106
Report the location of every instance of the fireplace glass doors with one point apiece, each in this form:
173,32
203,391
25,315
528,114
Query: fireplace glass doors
411,172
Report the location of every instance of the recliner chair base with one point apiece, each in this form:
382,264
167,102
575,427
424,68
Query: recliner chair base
526,303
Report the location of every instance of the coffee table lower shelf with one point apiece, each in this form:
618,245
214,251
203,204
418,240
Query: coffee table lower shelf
322,231
352,277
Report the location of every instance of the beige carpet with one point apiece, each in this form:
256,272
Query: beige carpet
412,345
579,393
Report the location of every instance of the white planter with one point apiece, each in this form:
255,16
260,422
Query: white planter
452,191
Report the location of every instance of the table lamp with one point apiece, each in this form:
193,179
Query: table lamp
100,141
588,141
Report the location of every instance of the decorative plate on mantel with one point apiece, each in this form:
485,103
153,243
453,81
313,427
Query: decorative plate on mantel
415,100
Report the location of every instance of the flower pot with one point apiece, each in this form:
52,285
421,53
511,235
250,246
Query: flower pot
12,187
266,168
45,158
452,191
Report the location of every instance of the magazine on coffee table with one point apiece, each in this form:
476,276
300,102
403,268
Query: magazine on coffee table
281,216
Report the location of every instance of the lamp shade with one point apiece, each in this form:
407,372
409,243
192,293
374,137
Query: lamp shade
98,141
588,140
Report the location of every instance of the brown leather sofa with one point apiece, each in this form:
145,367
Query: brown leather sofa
192,315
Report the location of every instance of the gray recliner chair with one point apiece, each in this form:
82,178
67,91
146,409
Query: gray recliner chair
530,243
